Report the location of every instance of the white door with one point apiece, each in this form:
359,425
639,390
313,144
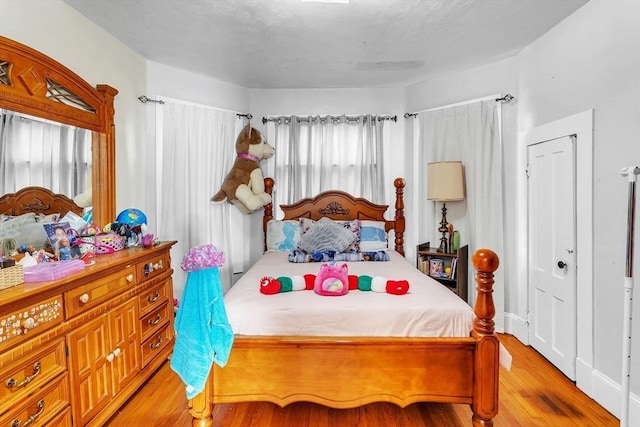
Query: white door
552,268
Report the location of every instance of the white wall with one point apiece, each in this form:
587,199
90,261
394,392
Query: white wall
592,61
59,31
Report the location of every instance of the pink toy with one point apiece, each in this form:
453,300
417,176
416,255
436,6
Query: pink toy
332,280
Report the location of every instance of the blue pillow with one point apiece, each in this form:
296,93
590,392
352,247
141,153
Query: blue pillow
282,236
373,236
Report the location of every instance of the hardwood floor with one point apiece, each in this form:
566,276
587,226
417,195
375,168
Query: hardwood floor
532,393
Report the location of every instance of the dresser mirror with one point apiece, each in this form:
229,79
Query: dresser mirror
34,85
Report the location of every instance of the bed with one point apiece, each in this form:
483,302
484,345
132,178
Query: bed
346,371
22,214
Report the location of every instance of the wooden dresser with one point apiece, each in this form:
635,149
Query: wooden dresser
72,351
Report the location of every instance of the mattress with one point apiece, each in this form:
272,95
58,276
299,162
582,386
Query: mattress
429,309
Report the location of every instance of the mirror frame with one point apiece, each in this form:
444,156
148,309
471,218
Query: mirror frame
25,75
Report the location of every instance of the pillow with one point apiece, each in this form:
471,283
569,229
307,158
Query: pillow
373,236
33,234
305,224
352,225
11,228
325,235
54,217
282,235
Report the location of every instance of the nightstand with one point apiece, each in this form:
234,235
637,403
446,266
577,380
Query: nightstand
450,269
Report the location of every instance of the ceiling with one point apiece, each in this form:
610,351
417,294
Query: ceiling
334,43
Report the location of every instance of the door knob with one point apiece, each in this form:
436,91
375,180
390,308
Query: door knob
562,264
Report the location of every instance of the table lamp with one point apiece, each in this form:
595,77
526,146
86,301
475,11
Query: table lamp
445,183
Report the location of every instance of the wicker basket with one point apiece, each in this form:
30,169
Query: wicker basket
103,243
11,276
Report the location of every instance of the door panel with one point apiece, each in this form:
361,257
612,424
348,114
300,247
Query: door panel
552,269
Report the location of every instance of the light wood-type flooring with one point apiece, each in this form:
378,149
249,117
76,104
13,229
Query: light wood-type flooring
532,393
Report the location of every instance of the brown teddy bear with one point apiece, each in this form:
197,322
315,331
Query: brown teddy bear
244,184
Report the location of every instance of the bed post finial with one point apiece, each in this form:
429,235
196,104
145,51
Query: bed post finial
399,220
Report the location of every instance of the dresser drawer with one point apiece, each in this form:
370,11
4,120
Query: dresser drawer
21,324
153,321
153,267
154,297
92,294
63,419
158,341
28,374
41,406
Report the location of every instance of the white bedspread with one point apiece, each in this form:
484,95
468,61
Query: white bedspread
428,310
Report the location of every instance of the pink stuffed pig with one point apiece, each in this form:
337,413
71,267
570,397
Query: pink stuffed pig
332,280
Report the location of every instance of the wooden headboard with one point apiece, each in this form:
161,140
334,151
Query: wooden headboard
339,205
38,200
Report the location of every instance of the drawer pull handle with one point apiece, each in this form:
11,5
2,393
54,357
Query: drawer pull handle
32,418
117,352
84,298
153,322
130,278
156,344
154,297
11,383
110,357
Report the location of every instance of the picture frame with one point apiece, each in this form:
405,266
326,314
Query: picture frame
436,267
64,240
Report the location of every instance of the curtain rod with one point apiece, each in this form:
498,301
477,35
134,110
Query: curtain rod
249,116
507,98
323,119
144,100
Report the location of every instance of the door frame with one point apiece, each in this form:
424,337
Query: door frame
580,125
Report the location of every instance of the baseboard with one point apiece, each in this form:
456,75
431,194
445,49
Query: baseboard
516,326
608,394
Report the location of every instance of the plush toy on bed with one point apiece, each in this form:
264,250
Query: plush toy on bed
244,184
333,281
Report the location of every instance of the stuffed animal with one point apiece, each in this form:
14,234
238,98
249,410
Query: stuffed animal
244,184
85,199
332,280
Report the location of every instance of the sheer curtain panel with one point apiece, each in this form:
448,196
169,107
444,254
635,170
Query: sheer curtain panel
196,150
43,153
315,154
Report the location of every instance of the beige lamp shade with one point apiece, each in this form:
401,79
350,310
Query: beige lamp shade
445,181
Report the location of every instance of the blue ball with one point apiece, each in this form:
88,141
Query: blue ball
132,217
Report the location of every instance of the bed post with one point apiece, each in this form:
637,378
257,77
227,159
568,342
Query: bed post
399,220
268,209
201,406
485,394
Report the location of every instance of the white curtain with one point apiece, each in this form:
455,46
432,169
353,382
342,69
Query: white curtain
196,150
469,133
43,153
315,154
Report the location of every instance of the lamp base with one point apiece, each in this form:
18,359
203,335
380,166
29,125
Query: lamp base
444,242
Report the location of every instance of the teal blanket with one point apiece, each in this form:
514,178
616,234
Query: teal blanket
203,333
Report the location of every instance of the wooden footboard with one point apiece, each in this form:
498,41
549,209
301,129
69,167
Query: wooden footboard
351,371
